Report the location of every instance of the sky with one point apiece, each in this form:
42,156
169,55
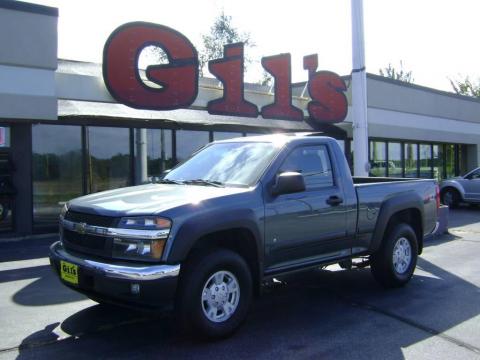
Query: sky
435,39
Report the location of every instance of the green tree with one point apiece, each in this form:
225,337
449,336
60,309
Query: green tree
392,73
466,87
221,33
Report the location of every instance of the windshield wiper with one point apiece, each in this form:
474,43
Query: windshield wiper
169,181
204,182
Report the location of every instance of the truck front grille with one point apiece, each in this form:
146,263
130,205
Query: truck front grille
91,219
85,243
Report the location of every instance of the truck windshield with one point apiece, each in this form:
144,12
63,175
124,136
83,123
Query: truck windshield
225,164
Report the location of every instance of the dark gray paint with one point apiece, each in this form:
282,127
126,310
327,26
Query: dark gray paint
291,231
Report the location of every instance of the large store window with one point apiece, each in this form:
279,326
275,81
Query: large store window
411,160
153,154
395,159
462,160
449,160
189,141
108,158
57,169
425,153
7,187
438,166
378,158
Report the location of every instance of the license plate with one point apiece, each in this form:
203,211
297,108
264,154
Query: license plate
69,272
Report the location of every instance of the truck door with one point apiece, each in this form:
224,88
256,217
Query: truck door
309,224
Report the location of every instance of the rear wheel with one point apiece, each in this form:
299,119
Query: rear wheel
450,197
215,294
394,263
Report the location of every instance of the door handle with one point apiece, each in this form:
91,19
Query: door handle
334,200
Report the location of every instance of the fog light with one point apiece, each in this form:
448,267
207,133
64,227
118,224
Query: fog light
135,289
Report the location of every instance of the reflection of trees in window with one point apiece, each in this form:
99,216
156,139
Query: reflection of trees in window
450,160
425,161
395,159
378,163
438,165
108,158
56,169
411,158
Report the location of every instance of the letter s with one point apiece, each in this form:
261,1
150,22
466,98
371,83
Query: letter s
329,103
178,79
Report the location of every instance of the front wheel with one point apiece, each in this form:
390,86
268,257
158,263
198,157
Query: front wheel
215,294
451,198
394,263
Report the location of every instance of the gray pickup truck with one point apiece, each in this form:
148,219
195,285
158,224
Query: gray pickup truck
235,215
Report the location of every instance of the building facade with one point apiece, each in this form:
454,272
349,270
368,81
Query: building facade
63,135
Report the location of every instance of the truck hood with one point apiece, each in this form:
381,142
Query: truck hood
147,199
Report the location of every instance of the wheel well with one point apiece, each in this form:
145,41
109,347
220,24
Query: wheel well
239,240
450,188
412,217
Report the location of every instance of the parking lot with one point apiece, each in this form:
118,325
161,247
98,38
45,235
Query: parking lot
327,314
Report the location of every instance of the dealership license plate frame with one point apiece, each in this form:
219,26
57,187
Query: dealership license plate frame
69,272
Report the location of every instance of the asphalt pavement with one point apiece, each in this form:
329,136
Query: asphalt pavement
326,314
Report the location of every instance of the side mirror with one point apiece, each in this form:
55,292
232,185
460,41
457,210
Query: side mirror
288,183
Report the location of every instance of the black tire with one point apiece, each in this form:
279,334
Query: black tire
451,197
190,306
382,262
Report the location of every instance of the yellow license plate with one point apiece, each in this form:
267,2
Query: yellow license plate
69,272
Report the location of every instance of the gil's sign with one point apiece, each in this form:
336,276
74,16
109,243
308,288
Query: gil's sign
178,80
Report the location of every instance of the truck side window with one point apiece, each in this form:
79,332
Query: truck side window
313,162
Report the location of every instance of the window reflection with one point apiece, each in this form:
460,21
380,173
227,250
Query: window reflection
395,159
411,160
378,160
108,158
425,153
450,160
57,169
438,161
189,141
153,154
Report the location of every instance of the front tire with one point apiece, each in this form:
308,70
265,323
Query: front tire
215,294
394,263
451,198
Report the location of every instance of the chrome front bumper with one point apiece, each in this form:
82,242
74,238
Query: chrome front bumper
125,272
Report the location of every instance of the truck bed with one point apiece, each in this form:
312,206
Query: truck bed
373,193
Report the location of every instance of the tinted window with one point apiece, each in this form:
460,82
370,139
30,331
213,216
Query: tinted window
190,141
313,162
108,158
57,169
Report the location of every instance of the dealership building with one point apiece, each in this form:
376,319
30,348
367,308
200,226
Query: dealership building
62,134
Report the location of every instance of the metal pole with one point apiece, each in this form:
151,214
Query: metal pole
359,93
141,156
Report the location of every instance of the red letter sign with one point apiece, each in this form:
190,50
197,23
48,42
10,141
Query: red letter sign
178,79
229,71
282,108
329,103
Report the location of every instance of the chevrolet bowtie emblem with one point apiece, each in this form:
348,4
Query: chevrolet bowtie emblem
81,228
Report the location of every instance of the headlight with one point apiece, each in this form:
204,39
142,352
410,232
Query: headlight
154,229
145,223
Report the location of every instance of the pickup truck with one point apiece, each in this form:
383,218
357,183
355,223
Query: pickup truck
235,215
464,188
